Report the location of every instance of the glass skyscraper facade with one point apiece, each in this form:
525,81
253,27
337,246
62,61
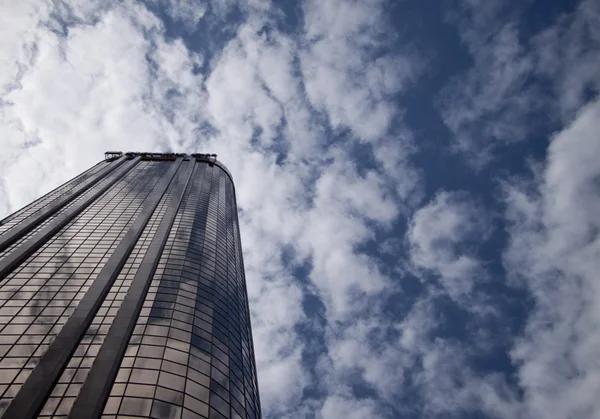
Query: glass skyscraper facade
122,294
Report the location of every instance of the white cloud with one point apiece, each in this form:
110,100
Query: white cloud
17,37
554,251
343,76
514,82
115,82
441,237
277,345
337,223
364,349
252,87
568,54
394,157
318,203
112,81
189,12
443,380
239,88
491,104
95,90
348,407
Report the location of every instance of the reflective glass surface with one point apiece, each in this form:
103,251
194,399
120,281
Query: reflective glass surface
61,211
69,384
191,352
41,203
37,298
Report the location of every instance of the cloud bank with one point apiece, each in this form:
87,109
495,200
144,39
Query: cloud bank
373,292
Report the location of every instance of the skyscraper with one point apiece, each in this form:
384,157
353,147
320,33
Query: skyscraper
122,294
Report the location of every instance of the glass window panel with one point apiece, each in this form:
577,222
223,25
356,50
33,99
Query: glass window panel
135,406
220,406
164,410
171,381
169,395
144,376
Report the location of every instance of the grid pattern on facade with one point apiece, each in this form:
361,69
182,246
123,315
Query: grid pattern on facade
37,298
190,355
234,301
41,203
62,210
69,384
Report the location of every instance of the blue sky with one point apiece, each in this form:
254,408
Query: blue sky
417,182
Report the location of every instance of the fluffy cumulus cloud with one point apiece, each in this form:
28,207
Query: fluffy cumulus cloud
386,279
188,13
567,54
318,203
70,101
114,80
349,408
491,103
439,237
553,251
518,78
341,35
